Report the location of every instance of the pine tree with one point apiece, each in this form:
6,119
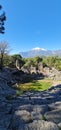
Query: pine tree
2,21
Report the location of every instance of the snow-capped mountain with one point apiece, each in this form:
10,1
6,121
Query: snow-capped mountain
40,52
38,49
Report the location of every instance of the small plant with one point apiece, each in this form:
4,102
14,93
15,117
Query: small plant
19,92
43,117
59,128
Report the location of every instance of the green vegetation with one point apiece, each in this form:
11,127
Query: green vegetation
40,85
53,61
59,128
43,117
2,21
18,93
14,58
27,63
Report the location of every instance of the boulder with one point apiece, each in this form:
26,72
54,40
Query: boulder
40,125
54,115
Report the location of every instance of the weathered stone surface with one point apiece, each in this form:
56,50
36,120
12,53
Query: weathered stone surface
40,108
40,125
36,116
2,128
59,125
54,115
27,107
54,106
24,115
5,120
6,108
26,112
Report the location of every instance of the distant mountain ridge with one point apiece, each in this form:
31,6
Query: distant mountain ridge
40,52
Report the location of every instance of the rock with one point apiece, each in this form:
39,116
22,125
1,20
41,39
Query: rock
40,125
24,115
59,125
6,108
54,106
36,116
2,128
29,111
20,118
27,107
5,120
40,108
54,115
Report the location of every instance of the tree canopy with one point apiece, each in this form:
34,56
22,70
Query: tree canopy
2,21
3,51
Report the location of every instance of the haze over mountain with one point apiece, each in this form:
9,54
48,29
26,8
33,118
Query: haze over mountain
40,52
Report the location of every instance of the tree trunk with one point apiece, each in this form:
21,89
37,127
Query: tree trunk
1,65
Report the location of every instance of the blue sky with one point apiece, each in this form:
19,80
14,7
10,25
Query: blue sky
32,23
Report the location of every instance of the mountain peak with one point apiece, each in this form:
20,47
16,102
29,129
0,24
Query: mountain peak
40,52
38,48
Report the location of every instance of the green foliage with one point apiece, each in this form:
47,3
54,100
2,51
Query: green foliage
33,61
50,61
29,62
43,117
10,61
59,128
3,51
2,21
14,58
53,61
7,60
58,64
18,93
37,60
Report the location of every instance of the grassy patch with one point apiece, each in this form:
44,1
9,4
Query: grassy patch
40,85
